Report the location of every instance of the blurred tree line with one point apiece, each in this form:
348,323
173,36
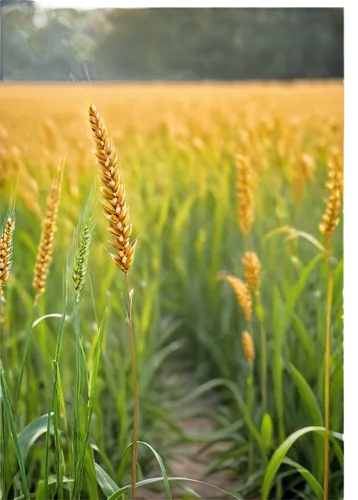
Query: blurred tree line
170,44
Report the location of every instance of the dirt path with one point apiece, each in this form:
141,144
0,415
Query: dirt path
191,460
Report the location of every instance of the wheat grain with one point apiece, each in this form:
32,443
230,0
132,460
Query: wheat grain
248,345
113,191
252,267
245,195
44,253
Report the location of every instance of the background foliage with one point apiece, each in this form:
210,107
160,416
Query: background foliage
170,44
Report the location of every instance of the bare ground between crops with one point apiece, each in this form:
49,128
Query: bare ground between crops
191,461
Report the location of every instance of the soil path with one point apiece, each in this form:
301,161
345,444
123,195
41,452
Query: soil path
191,460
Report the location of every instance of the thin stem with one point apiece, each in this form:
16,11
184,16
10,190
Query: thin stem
135,388
263,355
3,428
249,241
327,371
52,408
78,400
249,396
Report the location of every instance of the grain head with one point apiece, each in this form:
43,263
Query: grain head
83,240
44,253
6,252
245,194
113,191
331,216
248,345
252,268
241,292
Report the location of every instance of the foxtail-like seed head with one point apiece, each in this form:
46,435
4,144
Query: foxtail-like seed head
241,292
248,345
245,193
113,191
252,268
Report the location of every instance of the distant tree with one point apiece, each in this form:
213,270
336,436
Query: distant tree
223,44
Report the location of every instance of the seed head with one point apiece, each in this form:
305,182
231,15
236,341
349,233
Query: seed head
245,195
6,252
44,253
114,202
330,219
252,270
82,255
241,292
248,345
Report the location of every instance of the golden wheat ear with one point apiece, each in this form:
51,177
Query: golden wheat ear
252,269
245,193
248,345
113,191
45,249
6,245
331,216
241,292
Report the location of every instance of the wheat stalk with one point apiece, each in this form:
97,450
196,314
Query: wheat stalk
330,221
245,194
252,268
116,211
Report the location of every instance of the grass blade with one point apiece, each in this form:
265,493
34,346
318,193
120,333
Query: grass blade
153,480
310,479
106,483
281,452
92,391
7,407
31,433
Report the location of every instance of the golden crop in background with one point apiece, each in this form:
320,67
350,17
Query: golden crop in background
284,130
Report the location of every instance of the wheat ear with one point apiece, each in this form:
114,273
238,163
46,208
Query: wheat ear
248,345
330,219
82,241
116,211
252,269
44,254
245,194
113,191
241,292
6,252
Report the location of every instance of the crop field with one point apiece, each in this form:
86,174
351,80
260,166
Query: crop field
171,279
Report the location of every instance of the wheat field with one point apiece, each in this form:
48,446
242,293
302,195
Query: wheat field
234,196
